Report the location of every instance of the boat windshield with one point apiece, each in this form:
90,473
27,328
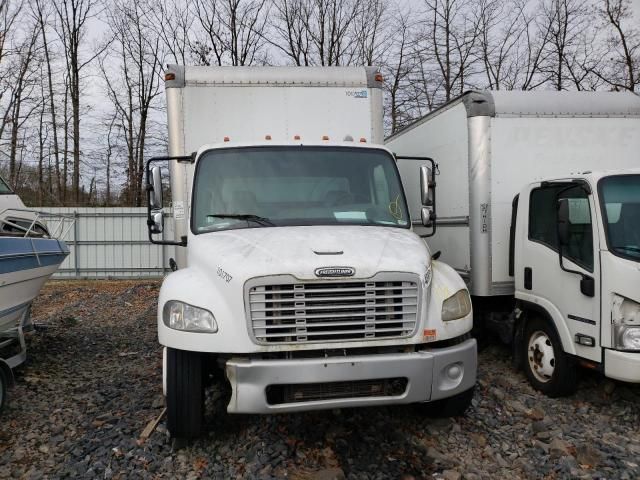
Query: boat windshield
620,198
262,187
4,188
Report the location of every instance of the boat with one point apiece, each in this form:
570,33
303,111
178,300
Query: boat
31,250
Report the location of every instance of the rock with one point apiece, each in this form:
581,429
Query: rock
451,475
588,455
609,387
559,448
436,457
539,426
43,449
535,414
328,474
478,439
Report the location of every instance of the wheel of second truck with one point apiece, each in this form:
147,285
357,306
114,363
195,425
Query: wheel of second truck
4,386
547,367
185,393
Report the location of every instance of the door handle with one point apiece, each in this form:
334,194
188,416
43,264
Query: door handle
528,278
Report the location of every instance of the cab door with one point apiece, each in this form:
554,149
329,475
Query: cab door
566,287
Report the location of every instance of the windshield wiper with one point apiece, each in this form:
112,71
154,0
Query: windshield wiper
263,221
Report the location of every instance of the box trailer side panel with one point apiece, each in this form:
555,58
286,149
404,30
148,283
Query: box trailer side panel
527,149
444,138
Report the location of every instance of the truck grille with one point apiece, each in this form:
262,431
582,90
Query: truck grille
333,311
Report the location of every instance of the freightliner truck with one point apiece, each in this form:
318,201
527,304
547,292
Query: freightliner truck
539,211
299,280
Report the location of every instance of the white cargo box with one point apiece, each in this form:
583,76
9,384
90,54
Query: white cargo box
489,145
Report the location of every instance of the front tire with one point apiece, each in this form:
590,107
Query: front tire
185,393
547,367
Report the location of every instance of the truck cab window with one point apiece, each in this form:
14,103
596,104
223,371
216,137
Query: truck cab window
620,197
302,186
543,222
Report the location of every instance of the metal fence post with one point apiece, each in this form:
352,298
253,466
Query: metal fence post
76,246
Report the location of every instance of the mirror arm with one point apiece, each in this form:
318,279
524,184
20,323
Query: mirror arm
434,170
149,188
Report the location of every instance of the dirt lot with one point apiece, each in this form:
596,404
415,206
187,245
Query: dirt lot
93,382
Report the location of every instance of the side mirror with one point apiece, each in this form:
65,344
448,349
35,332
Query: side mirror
155,189
427,216
427,185
156,221
563,221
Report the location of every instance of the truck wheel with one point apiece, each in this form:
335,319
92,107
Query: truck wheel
547,367
185,394
454,406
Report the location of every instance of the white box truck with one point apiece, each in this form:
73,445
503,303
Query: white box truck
539,210
298,273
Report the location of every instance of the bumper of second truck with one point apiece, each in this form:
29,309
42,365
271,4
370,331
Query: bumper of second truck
624,366
431,374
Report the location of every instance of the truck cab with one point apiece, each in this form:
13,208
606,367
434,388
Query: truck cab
575,253
299,281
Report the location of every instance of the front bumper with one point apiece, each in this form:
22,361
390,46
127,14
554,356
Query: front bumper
623,366
428,375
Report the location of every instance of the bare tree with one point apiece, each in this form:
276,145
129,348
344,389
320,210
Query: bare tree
132,83
42,16
447,42
173,23
21,104
73,17
568,22
398,69
231,31
623,42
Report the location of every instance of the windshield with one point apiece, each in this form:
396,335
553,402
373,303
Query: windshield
620,197
4,188
260,187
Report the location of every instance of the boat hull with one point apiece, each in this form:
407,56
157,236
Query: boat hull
25,265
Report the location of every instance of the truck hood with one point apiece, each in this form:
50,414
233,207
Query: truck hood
238,255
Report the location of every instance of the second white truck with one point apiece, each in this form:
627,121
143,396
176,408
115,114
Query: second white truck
539,210
299,279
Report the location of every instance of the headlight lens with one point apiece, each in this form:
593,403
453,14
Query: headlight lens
627,337
182,316
625,315
456,306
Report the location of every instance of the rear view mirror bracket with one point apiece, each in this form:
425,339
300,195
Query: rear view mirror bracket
427,192
155,212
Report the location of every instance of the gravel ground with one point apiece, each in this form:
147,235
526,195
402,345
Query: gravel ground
93,382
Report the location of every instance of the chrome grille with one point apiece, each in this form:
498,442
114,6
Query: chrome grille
333,311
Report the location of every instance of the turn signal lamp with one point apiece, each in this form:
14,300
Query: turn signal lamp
267,137
296,137
325,137
226,139
363,140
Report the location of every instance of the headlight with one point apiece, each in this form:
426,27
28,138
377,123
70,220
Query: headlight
456,306
625,315
182,316
627,337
